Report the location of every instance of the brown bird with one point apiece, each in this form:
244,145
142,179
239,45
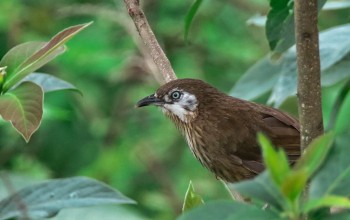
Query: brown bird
221,130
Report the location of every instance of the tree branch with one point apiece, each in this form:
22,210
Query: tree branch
150,40
308,59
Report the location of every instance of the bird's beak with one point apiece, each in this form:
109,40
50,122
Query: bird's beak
149,100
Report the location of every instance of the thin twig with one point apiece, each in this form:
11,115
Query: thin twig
118,16
150,40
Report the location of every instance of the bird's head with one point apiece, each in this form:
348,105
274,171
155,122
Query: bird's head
180,98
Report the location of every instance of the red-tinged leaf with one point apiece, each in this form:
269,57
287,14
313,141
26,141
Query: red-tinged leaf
42,56
18,54
23,107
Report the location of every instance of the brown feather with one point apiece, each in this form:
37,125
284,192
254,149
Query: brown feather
222,135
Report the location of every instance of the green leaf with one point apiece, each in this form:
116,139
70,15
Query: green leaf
225,210
190,15
336,5
280,24
191,199
327,201
275,160
23,107
260,20
48,82
42,56
261,188
315,154
45,200
278,19
18,54
280,76
294,183
343,215
258,80
336,73
334,46
334,177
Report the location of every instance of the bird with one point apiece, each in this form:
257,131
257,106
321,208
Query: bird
221,130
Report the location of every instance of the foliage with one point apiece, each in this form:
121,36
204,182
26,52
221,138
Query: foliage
191,199
334,55
45,200
21,101
102,136
281,187
280,24
228,210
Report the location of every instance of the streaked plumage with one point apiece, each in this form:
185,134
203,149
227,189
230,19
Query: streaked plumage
221,130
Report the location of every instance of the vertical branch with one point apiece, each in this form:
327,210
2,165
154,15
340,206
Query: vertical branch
150,40
308,59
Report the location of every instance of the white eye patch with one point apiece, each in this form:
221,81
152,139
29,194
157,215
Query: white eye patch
183,107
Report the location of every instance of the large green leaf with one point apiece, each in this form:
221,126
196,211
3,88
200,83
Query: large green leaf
334,54
278,19
258,80
343,215
23,107
191,199
33,61
336,5
260,20
45,200
48,82
280,29
334,46
261,188
227,210
336,73
327,201
334,177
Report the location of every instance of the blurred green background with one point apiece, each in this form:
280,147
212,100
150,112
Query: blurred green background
101,134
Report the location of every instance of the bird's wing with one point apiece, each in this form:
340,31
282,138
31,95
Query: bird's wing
282,129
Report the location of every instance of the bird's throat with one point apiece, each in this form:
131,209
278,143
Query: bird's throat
178,114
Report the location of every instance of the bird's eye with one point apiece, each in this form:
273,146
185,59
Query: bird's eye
175,95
